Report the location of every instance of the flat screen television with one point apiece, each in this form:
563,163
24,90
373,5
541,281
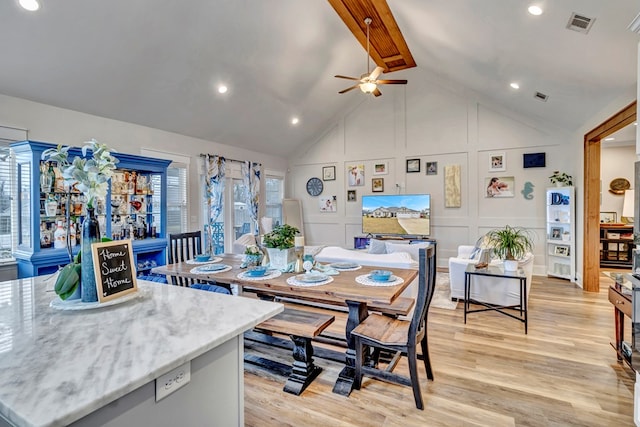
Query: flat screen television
397,214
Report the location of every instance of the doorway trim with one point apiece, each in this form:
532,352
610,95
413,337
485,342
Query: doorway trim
591,227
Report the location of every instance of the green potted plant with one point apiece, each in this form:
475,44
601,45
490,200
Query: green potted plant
279,243
510,244
561,179
252,255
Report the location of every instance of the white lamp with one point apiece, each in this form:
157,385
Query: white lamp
628,205
367,87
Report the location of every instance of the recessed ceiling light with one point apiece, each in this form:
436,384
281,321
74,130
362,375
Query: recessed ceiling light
535,10
295,120
610,139
515,85
222,89
30,5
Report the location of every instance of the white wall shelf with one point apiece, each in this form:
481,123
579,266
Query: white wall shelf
561,231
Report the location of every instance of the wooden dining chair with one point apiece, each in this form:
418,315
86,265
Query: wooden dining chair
399,336
183,247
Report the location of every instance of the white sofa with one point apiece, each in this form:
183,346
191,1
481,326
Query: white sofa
396,255
491,290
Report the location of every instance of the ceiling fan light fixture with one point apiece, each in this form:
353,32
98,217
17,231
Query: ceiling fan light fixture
367,87
30,5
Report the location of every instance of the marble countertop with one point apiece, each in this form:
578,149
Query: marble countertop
58,366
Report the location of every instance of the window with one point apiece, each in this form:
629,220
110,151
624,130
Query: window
176,198
6,189
177,189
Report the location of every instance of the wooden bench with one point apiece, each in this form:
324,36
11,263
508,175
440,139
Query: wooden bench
301,326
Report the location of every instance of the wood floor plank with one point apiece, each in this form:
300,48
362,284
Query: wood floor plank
487,373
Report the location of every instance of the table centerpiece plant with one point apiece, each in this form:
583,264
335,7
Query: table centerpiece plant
252,255
510,244
90,175
280,243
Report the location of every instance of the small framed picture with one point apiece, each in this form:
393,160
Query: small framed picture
413,165
377,185
556,233
351,195
328,173
561,251
432,168
381,168
608,217
497,162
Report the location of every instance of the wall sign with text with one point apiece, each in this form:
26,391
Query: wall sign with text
114,269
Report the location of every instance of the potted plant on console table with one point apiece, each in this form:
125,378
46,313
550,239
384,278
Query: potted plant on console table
510,244
279,243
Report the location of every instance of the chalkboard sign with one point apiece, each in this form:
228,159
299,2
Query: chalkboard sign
114,269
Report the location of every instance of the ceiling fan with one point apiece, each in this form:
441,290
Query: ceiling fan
368,82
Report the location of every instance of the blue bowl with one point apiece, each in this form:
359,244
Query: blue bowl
257,271
380,275
203,257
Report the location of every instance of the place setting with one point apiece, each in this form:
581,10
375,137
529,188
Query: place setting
309,277
203,259
211,268
259,272
345,266
379,278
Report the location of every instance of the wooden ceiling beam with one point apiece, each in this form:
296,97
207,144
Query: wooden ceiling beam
388,48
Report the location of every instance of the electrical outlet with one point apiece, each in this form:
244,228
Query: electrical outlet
172,381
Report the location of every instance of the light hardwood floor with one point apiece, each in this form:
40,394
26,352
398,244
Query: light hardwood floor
487,373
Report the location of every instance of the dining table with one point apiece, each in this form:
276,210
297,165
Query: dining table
350,287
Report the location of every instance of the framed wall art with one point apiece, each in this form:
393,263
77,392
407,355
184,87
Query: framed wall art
351,196
377,185
328,173
497,162
413,165
355,175
608,217
431,168
496,187
381,168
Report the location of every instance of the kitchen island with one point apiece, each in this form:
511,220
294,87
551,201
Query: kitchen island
99,366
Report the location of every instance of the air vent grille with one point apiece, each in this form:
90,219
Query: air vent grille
580,23
541,96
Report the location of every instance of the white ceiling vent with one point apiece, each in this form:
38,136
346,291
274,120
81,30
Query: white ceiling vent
541,96
580,23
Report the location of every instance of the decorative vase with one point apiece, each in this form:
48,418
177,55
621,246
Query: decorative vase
510,265
252,260
280,258
90,234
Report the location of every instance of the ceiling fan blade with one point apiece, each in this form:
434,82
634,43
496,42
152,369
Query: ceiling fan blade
377,92
376,73
349,88
391,82
346,77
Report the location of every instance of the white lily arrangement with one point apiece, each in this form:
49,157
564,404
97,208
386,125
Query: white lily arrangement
89,175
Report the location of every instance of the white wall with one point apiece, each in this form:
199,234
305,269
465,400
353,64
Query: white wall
434,121
615,162
60,126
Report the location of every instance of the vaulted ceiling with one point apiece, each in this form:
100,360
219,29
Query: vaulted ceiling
157,63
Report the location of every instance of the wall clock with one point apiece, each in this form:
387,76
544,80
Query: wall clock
314,186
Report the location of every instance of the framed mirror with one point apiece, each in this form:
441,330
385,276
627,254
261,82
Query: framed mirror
292,214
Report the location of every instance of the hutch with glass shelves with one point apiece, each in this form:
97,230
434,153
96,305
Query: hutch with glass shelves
134,208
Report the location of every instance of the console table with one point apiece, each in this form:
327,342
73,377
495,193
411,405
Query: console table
494,271
620,297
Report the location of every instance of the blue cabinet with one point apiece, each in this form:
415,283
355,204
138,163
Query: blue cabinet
135,208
